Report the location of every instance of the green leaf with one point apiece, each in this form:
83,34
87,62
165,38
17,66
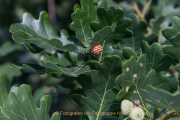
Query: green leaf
156,24
168,83
8,47
128,52
100,36
4,95
96,0
67,63
31,67
112,49
66,59
63,59
161,98
9,71
91,10
107,50
50,67
135,76
177,68
76,6
173,51
108,17
68,82
38,35
100,90
156,58
22,106
139,31
81,25
165,8
172,34
79,68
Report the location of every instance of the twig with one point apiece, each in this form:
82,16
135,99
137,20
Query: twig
160,37
149,115
136,8
169,115
101,52
146,8
142,15
174,71
127,118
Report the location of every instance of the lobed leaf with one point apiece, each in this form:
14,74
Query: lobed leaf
38,35
91,10
165,8
172,34
22,105
81,25
161,98
128,52
50,67
100,90
168,83
108,17
100,36
156,24
136,76
139,31
79,68
156,58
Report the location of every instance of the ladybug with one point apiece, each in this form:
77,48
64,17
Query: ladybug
97,49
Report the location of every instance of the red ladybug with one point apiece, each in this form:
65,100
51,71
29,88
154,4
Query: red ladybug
97,49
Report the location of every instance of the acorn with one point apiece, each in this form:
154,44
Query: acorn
97,49
136,113
126,106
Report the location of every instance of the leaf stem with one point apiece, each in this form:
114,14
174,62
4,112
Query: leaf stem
149,115
101,52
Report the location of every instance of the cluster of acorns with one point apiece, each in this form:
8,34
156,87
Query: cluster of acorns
134,112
